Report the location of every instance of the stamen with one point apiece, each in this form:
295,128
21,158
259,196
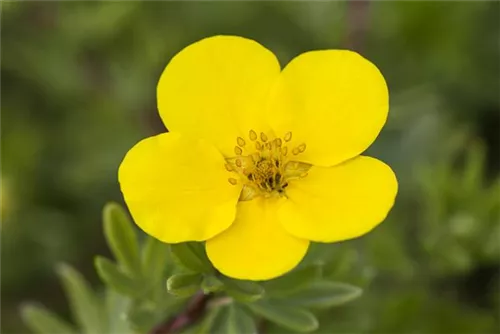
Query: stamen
267,170
252,135
240,141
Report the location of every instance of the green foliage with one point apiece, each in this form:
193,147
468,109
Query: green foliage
138,300
236,321
121,237
324,294
87,308
292,318
184,285
191,256
40,320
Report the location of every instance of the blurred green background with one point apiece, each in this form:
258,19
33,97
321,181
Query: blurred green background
78,90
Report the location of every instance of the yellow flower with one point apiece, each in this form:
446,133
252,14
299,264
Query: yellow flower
260,161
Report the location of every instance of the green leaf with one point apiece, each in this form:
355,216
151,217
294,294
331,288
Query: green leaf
236,321
325,294
293,318
244,291
116,279
116,306
184,285
154,259
86,308
293,281
209,322
42,321
211,284
120,234
142,316
192,256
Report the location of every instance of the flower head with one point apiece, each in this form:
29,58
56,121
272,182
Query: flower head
260,161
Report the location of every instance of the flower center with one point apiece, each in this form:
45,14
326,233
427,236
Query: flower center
265,165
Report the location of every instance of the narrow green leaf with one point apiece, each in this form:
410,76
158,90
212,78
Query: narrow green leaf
244,291
293,281
142,316
86,308
42,321
211,284
192,256
325,294
209,322
236,321
184,285
116,307
154,259
116,279
120,234
296,319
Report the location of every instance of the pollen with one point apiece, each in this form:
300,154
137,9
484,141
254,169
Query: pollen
265,169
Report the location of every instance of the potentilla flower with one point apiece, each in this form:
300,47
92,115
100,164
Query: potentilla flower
260,161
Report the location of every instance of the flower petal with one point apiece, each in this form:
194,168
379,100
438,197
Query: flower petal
334,101
256,247
338,203
216,89
177,189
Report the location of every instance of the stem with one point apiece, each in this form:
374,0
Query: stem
357,23
191,314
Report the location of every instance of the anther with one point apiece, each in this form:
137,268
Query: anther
232,181
278,142
268,146
238,163
258,145
238,150
263,137
288,136
296,151
229,168
284,150
240,141
301,148
252,135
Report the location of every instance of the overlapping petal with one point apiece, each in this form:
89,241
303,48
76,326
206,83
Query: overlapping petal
334,101
177,188
338,203
217,88
256,246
